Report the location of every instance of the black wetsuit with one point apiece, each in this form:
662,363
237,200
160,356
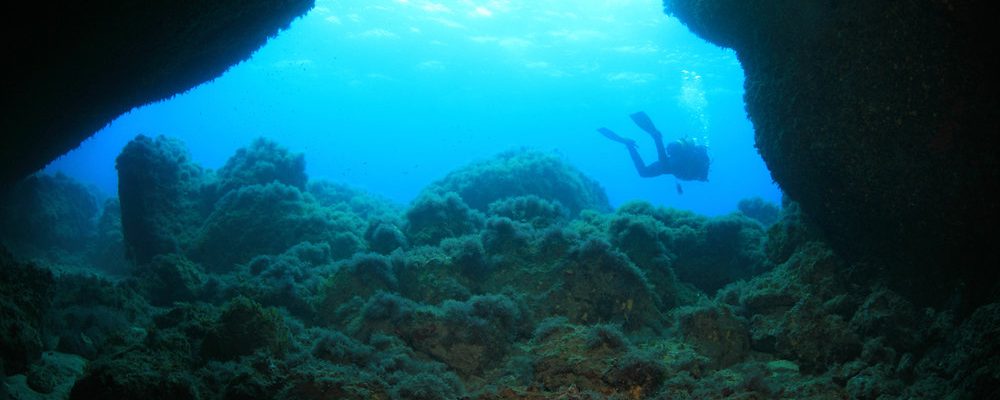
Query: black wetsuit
683,158
662,165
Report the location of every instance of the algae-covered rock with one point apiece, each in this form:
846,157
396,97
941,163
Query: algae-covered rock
760,210
874,383
384,237
598,284
451,271
337,348
505,240
289,280
812,270
877,120
476,334
108,251
27,294
428,386
725,249
644,239
523,173
262,162
671,245
887,315
44,215
159,190
716,332
320,381
269,219
137,375
57,221
792,231
368,206
530,209
55,373
171,277
593,358
469,336
90,312
362,276
808,334
383,368
434,217
800,310
243,328
525,299
966,366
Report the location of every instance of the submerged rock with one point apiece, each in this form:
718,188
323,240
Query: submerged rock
171,277
44,216
522,173
671,245
876,120
244,327
292,289
434,217
159,190
725,249
716,332
530,209
760,210
600,285
108,252
27,291
469,336
597,359
260,163
137,375
269,219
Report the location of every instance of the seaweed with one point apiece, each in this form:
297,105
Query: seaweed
316,289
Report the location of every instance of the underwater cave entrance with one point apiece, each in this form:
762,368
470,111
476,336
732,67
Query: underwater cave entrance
391,95
508,278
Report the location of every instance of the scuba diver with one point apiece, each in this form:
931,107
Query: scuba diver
684,158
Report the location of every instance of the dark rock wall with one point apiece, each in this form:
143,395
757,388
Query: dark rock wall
878,118
74,66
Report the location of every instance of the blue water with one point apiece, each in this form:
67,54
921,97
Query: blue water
390,95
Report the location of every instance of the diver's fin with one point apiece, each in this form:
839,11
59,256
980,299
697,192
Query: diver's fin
642,120
614,136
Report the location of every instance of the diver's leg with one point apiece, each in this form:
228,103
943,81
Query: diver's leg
643,122
640,167
661,152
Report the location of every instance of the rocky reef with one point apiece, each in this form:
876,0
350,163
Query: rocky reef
274,286
878,120
500,282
